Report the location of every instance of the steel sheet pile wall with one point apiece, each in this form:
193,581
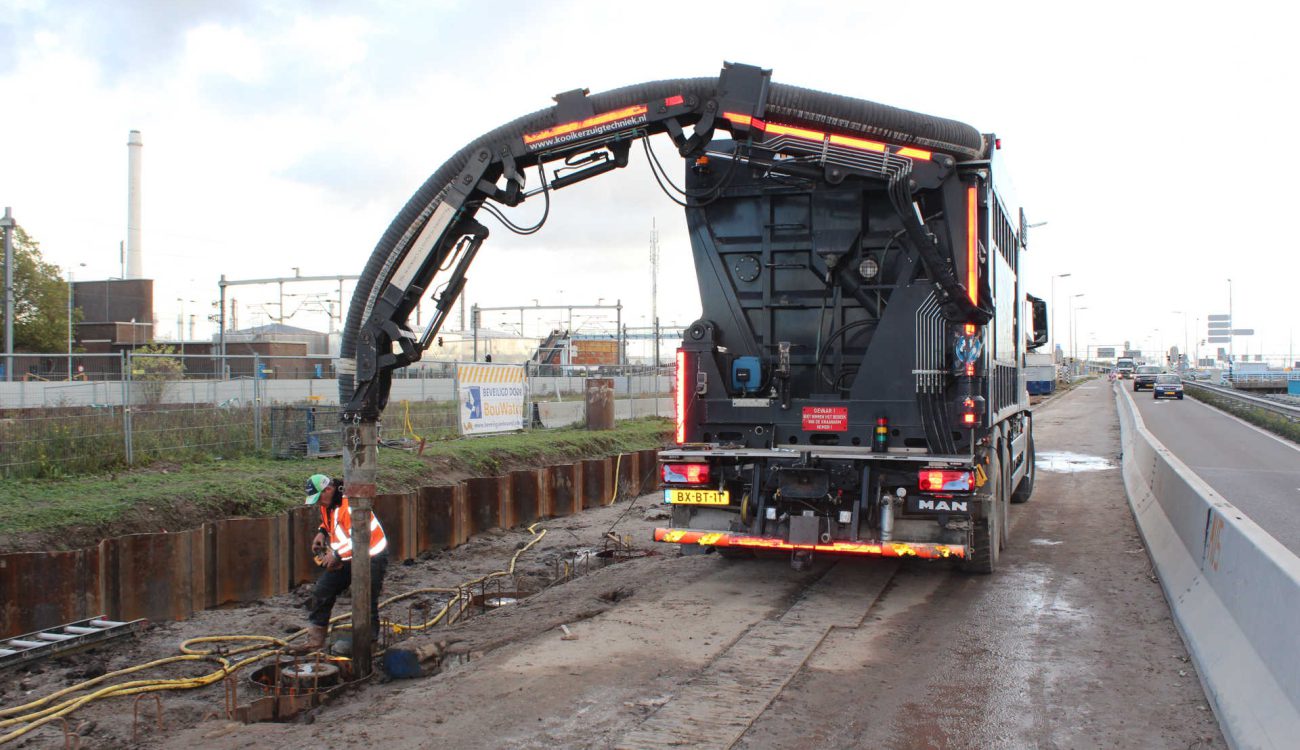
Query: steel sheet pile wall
169,576
248,559
155,576
60,587
1234,589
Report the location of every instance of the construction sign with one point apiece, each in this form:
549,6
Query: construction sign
493,398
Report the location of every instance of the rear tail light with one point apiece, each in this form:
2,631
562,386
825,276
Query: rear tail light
936,480
680,395
686,473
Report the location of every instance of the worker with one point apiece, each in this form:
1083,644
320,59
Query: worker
332,547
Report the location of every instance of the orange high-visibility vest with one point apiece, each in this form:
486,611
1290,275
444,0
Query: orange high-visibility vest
338,522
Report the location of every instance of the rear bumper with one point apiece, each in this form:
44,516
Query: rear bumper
927,550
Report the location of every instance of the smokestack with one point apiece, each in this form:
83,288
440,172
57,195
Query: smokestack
134,252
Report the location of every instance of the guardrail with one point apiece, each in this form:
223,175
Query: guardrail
1267,404
1233,589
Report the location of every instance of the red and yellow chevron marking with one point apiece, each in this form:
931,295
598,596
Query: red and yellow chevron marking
477,374
926,550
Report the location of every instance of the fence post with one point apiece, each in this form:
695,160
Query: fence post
126,407
529,373
257,402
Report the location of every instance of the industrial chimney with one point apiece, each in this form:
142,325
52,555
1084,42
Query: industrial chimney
134,253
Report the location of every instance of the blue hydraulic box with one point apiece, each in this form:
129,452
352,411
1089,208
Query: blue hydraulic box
746,374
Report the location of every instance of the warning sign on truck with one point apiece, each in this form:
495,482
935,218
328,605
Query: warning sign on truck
826,419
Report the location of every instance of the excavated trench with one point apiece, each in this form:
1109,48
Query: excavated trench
293,689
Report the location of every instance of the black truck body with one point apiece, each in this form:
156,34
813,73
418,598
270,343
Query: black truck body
855,383
824,402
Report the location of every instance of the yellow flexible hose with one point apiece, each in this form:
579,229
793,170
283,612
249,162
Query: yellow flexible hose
37,716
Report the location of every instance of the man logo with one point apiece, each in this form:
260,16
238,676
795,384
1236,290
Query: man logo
956,506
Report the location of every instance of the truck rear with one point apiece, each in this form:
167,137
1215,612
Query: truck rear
834,397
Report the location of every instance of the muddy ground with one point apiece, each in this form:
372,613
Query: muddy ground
1069,645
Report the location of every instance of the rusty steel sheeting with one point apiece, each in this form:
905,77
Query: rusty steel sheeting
628,480
546,492
303,523
396,513
39,590
649,471
482,505
565,489
437,513
598,394
525,496
248,559
169,576
597,481
154,576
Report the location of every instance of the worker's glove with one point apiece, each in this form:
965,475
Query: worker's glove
332,560
318,544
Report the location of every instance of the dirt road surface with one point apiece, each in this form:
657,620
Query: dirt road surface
1069,645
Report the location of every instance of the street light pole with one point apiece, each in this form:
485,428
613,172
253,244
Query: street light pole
1184,314
1074,338
70,320
1073,348
7,224
1052,328
1231,323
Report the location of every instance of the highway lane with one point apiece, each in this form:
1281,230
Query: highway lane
1255,471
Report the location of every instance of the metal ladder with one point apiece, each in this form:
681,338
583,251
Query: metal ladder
63,639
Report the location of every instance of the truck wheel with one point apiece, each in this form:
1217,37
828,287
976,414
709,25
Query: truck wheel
985,543
1026,487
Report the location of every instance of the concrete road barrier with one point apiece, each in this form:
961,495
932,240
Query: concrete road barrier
1234,590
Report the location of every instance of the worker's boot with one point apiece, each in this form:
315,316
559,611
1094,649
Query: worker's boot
315,640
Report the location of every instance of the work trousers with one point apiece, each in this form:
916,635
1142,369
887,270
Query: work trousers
334,582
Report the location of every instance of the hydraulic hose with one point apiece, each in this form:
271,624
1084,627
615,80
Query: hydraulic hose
38,713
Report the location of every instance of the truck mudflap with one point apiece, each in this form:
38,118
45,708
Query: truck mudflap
926,550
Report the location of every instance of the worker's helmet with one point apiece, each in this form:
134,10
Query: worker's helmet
316,484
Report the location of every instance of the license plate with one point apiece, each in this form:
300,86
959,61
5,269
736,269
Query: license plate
696,497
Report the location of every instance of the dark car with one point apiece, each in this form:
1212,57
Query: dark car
1145,377
1167,386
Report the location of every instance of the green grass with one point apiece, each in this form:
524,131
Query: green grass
178,494
1274,423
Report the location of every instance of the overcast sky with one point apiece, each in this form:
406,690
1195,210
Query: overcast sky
1154,138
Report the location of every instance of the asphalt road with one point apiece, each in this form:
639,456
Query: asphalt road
1253,470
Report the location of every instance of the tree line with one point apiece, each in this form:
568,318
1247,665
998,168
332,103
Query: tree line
40,299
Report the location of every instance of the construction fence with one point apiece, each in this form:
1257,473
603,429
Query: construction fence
158,408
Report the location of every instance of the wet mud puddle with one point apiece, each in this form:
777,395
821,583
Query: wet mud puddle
1065,462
